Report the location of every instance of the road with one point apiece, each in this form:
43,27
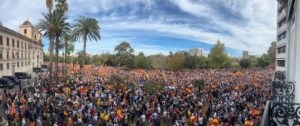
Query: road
24,84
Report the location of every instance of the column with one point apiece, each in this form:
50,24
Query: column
297,51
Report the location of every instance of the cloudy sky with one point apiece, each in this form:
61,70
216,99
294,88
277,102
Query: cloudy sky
160,26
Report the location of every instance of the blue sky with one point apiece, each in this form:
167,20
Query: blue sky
160,26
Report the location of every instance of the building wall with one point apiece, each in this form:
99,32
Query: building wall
294,47
196,52
281,44
20,57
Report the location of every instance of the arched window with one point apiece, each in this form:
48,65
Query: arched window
25,31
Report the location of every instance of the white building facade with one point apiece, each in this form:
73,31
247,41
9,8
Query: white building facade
20,51
292,7
196,52
281,45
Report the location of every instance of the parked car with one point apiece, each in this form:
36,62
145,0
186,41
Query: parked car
13,79
22,75
6,83
45,67
37,70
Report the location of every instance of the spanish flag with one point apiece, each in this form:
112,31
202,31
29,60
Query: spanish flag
119,114
249,123
188,90
215,122
65,112
192,119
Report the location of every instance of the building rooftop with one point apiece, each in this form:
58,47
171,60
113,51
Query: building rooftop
27,23
9,31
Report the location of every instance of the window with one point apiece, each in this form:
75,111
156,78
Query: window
1,40
18,55
1,55
7,55
25,31
22,64
281,63
282,36
281,49
18,44
7,66
13,55
25,63
21,45
13,43
18,65
1,66
7,39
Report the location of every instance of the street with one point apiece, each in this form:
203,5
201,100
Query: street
24,84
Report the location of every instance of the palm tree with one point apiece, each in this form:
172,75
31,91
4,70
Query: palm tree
49,4
62,6
63,28
87,28
67,46
50,25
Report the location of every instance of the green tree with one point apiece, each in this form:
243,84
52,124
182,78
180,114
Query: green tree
245,63
272,51
81,56
86,28
175,61
218,57
141,61
199,84
124,55
52,24
46,57
264,61
49,4
158,61
62,6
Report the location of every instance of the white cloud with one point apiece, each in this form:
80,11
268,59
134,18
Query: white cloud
255,34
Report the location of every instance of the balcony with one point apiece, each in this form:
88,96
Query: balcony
281,109
281,15
282,28
281,42
281,55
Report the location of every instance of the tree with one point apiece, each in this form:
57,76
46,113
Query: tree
218,57
62,6
124,55
158,61
86,28
175,61
199,84
81,56
245,63
264,61
49,4
141,61
51,25
63,28
192,62
272,51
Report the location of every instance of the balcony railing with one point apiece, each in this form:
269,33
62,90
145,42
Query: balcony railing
281,110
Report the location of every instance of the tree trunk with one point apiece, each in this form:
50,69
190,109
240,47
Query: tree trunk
84,54
56,61
64,66
51,60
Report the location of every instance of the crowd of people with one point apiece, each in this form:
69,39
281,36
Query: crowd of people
89,98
